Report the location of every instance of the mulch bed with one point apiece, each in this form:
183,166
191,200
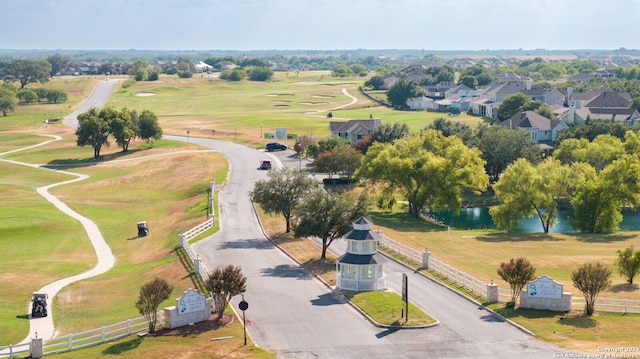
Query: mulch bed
196,328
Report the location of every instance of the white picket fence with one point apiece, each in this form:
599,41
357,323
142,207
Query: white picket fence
504,295
114,331
84,339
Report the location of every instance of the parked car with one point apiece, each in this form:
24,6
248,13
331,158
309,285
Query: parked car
275,146
265,165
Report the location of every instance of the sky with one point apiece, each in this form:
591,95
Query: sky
319,24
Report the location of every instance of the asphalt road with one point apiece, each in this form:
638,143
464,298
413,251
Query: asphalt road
97,98
295,315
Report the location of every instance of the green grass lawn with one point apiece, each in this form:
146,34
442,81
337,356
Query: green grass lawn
387,308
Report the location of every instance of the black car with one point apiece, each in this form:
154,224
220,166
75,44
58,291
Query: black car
275,146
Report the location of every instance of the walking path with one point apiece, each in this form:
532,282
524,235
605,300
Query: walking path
43,327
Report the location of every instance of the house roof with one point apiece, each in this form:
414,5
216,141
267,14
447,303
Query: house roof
351,125
596,113
538,91
530,119
507,88
609,99
361,259
362,235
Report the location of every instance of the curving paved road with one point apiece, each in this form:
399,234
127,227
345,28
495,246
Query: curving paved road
294,314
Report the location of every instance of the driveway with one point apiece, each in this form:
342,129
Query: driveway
294,314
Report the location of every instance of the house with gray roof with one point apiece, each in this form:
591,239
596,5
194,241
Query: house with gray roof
353,130
542,130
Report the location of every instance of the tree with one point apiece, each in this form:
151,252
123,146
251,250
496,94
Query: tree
342,160
139,70
429,169
92,130
517,272
597,203
525,191
224,284
152,294
260,73
328,215
469,81
500,147
56,96
325,145
385,133
146,126
359,69
120,126
511,106
27,96
628,263
59,64
376,82
341,70
281,192
8,100
591,279
450,128
29,71
402,90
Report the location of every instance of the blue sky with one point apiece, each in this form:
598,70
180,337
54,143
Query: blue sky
319,24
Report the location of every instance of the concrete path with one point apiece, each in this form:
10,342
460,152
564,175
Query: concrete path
43,327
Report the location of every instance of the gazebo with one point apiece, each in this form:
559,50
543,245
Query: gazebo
361,268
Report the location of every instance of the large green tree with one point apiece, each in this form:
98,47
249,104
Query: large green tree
120,126
341,160
29,71
146,126
525,190
597,203
281,192
59,64
500,147
599,153
93,131
428,168
328,215
402,90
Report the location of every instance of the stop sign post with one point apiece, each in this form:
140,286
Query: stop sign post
243,305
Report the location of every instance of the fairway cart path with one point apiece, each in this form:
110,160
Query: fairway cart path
43,327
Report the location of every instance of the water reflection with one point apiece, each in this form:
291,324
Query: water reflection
479,218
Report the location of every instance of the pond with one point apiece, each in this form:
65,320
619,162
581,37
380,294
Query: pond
479,218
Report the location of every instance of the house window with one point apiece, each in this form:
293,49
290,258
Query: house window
534,136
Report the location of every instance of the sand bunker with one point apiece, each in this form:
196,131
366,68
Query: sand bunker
144,94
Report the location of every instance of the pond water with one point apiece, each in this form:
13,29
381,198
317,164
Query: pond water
479,218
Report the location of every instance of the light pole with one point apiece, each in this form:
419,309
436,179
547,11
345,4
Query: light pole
243,305
261,136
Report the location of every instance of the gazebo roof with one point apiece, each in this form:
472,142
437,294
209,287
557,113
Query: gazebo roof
360,259
362,235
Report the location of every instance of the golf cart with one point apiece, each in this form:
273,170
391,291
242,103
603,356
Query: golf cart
39,305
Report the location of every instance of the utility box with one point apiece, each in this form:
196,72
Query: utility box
143,229
39,305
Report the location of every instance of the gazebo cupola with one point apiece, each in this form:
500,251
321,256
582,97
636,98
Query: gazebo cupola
361,268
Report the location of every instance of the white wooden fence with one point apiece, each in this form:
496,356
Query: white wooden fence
84,339
118,330
504,295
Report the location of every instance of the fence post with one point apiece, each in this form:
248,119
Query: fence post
426,255
104,334
211,200
183,240
492,292
196,265
36,348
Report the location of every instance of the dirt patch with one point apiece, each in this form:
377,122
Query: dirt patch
212,324
280,94
313,103
145,94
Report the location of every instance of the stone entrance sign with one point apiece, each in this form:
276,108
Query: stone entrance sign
544,287
546,294
191,301
191,307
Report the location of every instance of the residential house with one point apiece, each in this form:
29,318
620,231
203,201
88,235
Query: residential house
603,104
353,130
421,103
542,130
544,95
